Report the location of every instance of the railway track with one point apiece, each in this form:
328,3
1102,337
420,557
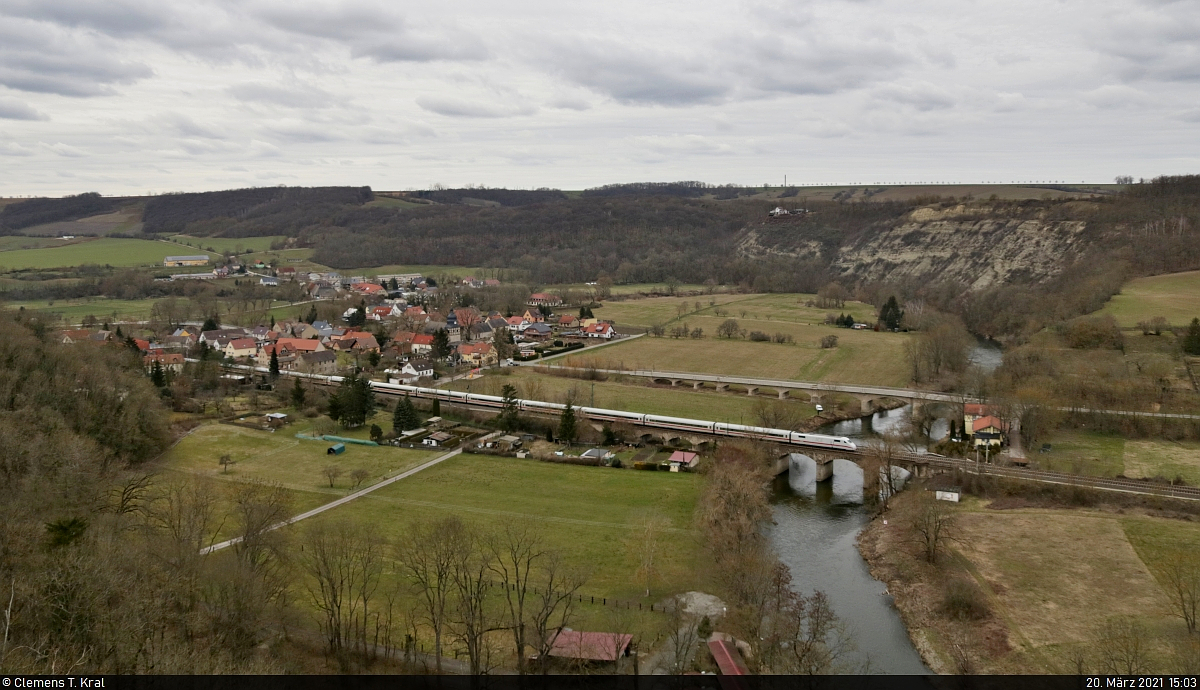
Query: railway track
1114,484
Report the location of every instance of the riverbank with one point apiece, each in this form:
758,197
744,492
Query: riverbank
1033,588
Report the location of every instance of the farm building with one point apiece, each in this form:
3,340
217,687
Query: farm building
197,260
591,646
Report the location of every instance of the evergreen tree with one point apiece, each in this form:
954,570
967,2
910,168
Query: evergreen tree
354,401
272,326
359,317
566,424
1191,341
211,324
441,343
436,409
405,417
298,394
312,314
510,410
157,377
891,314
120,334
275,364
394,285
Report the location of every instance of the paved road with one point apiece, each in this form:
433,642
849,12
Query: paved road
341,501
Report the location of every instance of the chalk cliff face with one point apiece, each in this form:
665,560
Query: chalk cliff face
930,244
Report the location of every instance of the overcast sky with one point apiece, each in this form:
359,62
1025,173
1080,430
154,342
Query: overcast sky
134,96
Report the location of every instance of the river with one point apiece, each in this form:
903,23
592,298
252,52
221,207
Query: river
815,533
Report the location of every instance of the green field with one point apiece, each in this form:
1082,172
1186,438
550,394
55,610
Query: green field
281,458
587,512
633,395
14,242
110,309
103,252
862,357
1107,455
221,245
770,313
1175,296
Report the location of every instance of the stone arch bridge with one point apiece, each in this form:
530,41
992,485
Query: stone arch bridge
868,396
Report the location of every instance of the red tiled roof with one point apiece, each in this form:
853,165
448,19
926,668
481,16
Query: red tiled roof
243,343
422,339
985,422
299,344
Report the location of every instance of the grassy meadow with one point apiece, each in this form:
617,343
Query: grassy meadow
633,395
281,458
1175,296
1108,455
221,245
862,357
103,252
587,512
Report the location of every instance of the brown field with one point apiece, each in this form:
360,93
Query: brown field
1050,577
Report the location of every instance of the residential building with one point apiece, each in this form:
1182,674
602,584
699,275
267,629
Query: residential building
241,347
323,362
599,330
546,299
422,344
417,368
172,361
478,354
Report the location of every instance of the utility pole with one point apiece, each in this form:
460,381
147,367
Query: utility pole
593,394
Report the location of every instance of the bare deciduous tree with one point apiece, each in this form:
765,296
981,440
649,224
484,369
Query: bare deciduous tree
554,603
344,564
645,545
426,557
357,477
1123,646
1181,575
332,473
933,525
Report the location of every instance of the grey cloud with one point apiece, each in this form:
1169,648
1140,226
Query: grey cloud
37,58
291,97
64,150
11,148
1152,40
923,97
457,106
113,17
423,48
184,126
11,109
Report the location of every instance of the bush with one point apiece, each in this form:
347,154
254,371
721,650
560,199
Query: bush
759,337
963,601
829,341
1095,332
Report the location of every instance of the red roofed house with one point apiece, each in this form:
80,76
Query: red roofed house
544,298
287,349
241,347
422,343
568,321
684,459
590,646
168,361
533,316
142,345
599,330
478,354
368,289
987,431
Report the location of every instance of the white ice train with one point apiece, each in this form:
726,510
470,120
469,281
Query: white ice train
600,414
